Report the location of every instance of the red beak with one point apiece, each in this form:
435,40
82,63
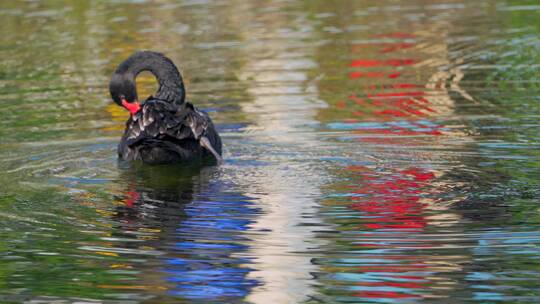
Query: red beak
133,107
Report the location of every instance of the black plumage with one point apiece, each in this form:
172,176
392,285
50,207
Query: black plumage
164,128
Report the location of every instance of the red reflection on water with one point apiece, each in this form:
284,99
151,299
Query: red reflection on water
357,74
390,201
392,284
384,294
392,95
394,201
402,104
131,198
365,63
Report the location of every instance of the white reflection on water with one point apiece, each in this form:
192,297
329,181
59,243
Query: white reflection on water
284,102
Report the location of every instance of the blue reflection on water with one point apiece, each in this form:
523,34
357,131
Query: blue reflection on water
210,244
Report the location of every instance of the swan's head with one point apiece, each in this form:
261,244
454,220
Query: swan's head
124,91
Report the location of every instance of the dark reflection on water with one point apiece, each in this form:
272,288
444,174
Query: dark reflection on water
376,151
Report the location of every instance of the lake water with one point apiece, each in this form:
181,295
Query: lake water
375,152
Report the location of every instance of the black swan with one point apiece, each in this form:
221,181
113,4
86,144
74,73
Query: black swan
164,128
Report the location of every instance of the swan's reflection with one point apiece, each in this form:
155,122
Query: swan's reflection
195,222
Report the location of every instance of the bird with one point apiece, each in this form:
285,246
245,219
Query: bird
165,128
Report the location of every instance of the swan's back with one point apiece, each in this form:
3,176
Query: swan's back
162,132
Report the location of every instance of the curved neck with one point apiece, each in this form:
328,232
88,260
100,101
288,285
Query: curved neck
171,86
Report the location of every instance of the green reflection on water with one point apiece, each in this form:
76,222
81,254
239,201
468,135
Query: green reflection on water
61,189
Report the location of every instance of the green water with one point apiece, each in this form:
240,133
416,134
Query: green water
375,152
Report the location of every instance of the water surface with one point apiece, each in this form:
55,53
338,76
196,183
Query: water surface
376,152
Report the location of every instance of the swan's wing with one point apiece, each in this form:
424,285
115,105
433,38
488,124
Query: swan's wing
203,130
197,121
